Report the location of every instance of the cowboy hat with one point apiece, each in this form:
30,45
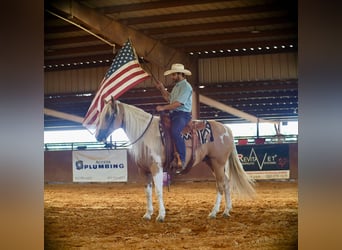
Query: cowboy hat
177,68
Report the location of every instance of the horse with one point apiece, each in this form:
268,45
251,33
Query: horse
148,152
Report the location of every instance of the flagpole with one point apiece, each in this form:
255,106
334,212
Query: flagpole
150,71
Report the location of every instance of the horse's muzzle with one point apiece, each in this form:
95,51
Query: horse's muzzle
101,136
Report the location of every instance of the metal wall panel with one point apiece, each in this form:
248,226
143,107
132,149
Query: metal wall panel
210,70
74,80
252,64
87,80
260,67
248,68
293,67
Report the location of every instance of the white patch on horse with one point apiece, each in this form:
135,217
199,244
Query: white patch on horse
222,136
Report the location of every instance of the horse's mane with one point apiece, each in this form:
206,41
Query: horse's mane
136,121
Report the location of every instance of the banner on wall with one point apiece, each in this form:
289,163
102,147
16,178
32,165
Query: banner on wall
99,166
265,161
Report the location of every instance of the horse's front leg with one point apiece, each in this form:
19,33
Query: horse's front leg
148,191
158,183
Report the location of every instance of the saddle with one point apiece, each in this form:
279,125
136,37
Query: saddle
193,131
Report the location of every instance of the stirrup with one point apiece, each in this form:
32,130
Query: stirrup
181,168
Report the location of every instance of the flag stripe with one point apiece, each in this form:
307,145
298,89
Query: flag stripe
118,81
107,82
124,73
128,80
110,85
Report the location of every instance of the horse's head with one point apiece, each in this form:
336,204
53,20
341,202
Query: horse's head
109,120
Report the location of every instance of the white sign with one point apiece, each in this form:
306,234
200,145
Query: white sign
262,175
99,166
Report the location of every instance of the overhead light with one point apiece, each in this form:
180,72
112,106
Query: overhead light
267,47
251,48
191,53
228,50
236,50
201,86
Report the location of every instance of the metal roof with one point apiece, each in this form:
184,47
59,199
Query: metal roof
201,28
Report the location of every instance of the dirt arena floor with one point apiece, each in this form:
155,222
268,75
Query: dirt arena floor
109,216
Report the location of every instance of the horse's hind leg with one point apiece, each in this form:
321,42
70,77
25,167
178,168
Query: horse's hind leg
148,191
216,207
218,169
227,193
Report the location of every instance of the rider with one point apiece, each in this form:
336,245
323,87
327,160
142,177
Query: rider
180,105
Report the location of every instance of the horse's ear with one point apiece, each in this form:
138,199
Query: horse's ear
113,103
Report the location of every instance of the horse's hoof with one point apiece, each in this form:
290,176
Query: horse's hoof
147,217
160,219
212,216
226,215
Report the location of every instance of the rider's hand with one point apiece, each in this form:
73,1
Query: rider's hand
160,108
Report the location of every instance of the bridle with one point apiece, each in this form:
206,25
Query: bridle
111,120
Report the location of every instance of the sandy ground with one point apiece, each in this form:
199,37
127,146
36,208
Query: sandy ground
109,216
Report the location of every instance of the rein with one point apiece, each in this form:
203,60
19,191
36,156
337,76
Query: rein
143,133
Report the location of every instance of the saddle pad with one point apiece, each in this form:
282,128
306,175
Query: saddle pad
204,134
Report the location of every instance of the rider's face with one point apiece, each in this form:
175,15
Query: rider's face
176,77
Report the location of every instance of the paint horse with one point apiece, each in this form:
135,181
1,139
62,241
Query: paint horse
142,129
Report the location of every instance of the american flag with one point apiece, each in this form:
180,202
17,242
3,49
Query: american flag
124,73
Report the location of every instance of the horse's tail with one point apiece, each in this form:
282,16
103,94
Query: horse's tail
240,181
